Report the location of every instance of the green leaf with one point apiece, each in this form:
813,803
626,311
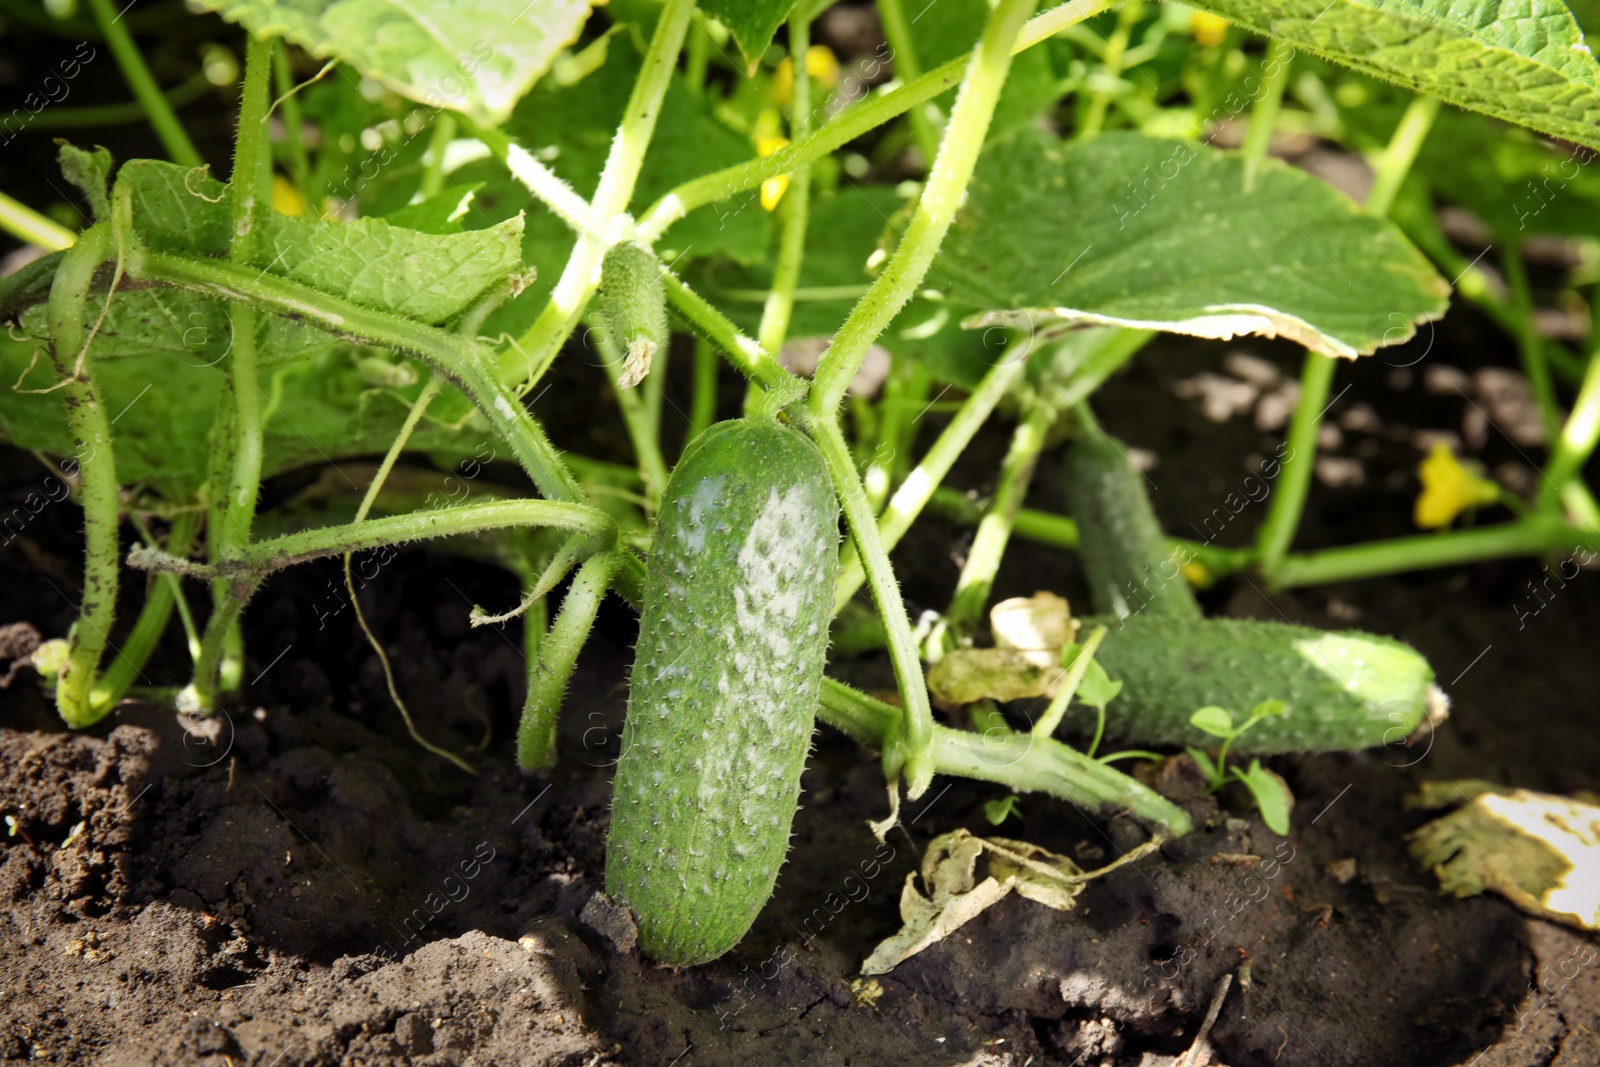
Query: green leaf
1272,796
90,172
478,58
1145,232
1097,689
1218,722
1205,763
1000,809
1268,708
752,22
431,277
1523,62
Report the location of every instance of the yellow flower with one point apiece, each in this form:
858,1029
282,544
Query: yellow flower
772,189
1448,489
822,66
286,199
1195,573
1208,29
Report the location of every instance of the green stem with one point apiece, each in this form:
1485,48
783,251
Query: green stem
162,119
444,131
1316,379
101,115
200,696
743,351
1528,537
562,199
952,169
994,530
946,186
644,430
263,557
1058,531
863,117
527,361
703,406
1294,479
1401,153
1112,59
1021,761
907,68
1531,347
293,139
250,187
462,359
26,224
558,653
779,306
913,495
91,433
1264,115
162,594
917,731
1582,430
1046,726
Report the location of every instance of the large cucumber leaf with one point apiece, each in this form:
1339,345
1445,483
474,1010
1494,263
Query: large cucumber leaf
431,277
1129,230
478,58
1524,61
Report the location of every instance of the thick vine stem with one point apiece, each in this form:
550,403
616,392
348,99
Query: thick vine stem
1020,761
743,351
91,432
952,170
863,117
528,361
558,653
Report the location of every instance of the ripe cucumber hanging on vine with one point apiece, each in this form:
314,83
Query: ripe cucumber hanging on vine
733,638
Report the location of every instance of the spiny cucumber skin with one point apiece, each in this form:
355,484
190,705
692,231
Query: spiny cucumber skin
1346,690
733,639
633,298
1124,551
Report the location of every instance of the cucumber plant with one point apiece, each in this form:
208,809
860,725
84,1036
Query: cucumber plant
402,284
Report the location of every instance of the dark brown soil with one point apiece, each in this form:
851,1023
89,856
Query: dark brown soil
299,883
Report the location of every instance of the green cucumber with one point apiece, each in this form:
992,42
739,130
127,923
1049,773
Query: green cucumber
633,304
1345,690
1131,569
733,637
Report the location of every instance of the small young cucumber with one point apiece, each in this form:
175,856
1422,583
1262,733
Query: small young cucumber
1345,690
633,302
1125,555
733,637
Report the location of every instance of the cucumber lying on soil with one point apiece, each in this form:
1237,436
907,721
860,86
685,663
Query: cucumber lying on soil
1125,555
1345,690
732,642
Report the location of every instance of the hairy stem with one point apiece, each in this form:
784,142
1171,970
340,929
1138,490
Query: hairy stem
558,653
1021,761
528,361
91,433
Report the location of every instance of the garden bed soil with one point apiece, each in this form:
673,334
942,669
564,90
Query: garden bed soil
300,883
